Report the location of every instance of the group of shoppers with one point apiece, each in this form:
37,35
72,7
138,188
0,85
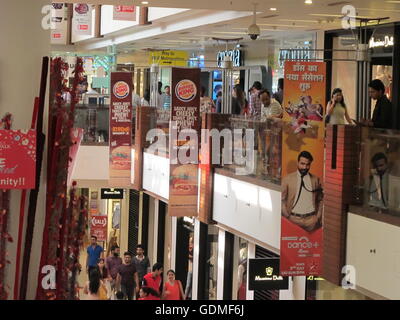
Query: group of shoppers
127,279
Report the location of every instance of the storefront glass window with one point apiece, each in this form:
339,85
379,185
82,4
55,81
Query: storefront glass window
242,270
211,264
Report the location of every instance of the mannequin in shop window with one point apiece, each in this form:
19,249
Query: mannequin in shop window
242,274
116,219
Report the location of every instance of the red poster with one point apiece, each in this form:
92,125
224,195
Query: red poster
17,159
302,168
76,137
185,117
98,227
127,13
120,129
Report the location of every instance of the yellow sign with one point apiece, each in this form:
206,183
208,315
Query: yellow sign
169,58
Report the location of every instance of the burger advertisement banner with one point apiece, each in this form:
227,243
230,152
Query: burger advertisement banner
82,19
185,118
120,129
98,227
302,168
17,159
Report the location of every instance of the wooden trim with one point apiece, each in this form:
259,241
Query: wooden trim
97,22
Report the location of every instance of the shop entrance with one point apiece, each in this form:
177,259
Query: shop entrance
382,69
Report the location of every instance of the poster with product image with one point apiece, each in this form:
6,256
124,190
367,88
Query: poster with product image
82,19
125,13
302,169
120,129
185,115
58,23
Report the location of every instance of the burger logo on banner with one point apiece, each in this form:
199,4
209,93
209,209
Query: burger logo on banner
186,90
121,89
82,8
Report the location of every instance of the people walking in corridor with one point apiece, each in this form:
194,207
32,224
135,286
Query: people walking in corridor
127,278
112,264
142,263
94,253
173,289
153,279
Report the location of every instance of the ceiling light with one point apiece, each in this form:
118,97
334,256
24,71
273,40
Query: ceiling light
308,2
273,9
145,2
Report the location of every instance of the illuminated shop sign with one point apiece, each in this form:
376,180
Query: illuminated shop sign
264,275
112,193
387,41
302,54
236,55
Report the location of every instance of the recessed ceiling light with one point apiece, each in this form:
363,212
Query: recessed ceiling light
273,9
145,2
308,2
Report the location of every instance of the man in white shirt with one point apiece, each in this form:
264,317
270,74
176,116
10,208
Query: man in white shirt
271,108
135,98
302,195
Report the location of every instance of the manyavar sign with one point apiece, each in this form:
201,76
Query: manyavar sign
264,275
17,159
112,193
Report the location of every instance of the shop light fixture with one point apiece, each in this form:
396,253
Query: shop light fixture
145,2
273,9
308,2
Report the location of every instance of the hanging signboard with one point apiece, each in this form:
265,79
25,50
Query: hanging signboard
264,275
98,227
58,24
120,129
169,58
17,159
82,19
302,168
185,130
112,193
126,13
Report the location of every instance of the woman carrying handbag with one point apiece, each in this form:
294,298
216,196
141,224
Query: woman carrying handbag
173,289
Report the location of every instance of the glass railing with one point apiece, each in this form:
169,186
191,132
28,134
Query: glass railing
158,142
379,171
256,148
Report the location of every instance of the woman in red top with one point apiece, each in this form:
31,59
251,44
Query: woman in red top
173,288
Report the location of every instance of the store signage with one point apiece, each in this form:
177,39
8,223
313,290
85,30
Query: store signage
264,275
120,129
302,208
185,117
126,13
112,193
98,227
169,58
236,56
387,41
82,19
17,159
302,54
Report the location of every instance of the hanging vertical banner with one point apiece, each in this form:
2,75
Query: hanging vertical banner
302,169
17,159
98,227
120,129
184,146
126,13
82,19
58,24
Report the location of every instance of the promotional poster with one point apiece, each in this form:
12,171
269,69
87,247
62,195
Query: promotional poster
82,19
185,114
120,129
17,159
59,24
98,227
302,168
125,13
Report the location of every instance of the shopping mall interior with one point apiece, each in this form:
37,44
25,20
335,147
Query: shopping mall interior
249,146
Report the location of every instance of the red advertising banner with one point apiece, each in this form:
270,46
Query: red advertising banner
120,129
76,138
184,147
302,169
17,159
98,227
127,13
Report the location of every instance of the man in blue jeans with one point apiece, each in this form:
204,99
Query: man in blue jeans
94,253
